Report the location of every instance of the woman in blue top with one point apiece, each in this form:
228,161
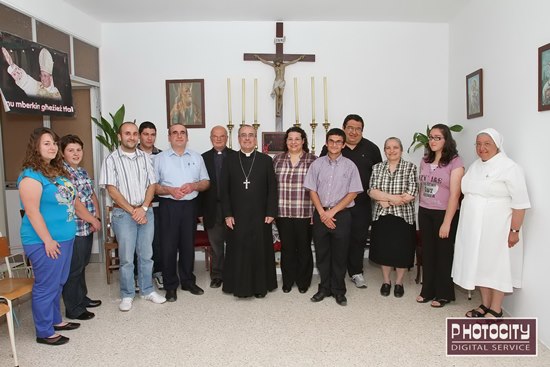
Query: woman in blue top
47,231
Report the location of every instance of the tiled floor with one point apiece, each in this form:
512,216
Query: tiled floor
281,330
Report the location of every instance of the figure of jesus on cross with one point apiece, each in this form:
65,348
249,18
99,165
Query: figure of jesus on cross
279,83
279,61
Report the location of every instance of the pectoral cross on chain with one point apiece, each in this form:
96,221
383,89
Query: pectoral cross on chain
246,182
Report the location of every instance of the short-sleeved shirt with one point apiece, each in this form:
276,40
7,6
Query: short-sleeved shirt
174,170
402,180
56,207
294,200
435,183
85,188
131,174
332,180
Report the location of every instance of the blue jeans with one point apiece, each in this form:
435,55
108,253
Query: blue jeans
49,277
134,238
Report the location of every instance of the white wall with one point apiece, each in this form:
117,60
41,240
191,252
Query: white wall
60,15
393,74
503,40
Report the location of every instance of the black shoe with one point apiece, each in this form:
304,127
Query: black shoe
58,340
287,289
341,299
258,295
302,290
94,303
216,283
171,295
385,289
319,296
398,290
193,288
67,326
86,315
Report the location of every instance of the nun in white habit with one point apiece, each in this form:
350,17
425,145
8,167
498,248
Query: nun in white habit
488,247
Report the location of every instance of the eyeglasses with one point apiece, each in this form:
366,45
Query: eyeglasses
250,135
179,133
435,138
335,142
354,129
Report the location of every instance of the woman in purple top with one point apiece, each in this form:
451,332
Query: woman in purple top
441,171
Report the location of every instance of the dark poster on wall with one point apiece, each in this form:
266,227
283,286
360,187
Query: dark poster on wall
34,78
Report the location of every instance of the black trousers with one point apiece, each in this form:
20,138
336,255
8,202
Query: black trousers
216,236
178,224
296,256
75,290
437,255
361,219
331,252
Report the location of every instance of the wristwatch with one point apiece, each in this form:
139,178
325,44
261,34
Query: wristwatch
145,208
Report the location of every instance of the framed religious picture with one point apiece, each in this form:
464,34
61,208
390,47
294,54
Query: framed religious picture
544,78
474,94
273,142
185,102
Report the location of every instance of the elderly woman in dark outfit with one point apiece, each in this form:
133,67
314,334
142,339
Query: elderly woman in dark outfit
394,186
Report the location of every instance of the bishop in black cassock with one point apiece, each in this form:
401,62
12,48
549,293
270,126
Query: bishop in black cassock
249,205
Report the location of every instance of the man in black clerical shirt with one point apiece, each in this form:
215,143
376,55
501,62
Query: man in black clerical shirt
210,210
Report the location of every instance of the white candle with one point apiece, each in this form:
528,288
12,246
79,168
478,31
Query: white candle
229,99
326,98
255,100
313,99
244,114
296,99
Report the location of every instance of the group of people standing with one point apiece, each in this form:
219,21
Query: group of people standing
238,195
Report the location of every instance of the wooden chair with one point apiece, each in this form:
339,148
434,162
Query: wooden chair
110,246
13,263
11,289
6,310
202,243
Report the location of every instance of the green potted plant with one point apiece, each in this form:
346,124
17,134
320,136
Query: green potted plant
421,140
109,139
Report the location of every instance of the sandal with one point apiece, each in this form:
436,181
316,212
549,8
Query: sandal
421,299
440,303
475,313
493,314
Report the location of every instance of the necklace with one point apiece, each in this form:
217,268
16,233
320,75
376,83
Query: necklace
246,182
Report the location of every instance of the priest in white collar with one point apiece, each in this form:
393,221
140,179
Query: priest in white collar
249,205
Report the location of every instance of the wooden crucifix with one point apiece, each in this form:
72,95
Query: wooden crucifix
279,61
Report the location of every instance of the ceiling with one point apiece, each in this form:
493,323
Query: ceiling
139,11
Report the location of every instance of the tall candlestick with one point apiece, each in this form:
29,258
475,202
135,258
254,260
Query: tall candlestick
229,99
244,113
313,99
296,99
326,98
255,100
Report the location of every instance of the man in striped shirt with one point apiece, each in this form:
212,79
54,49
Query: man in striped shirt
128,176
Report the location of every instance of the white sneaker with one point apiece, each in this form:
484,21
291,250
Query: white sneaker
359,281
154,297
126,304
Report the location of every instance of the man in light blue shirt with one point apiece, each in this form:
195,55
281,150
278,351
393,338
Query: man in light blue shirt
181,176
